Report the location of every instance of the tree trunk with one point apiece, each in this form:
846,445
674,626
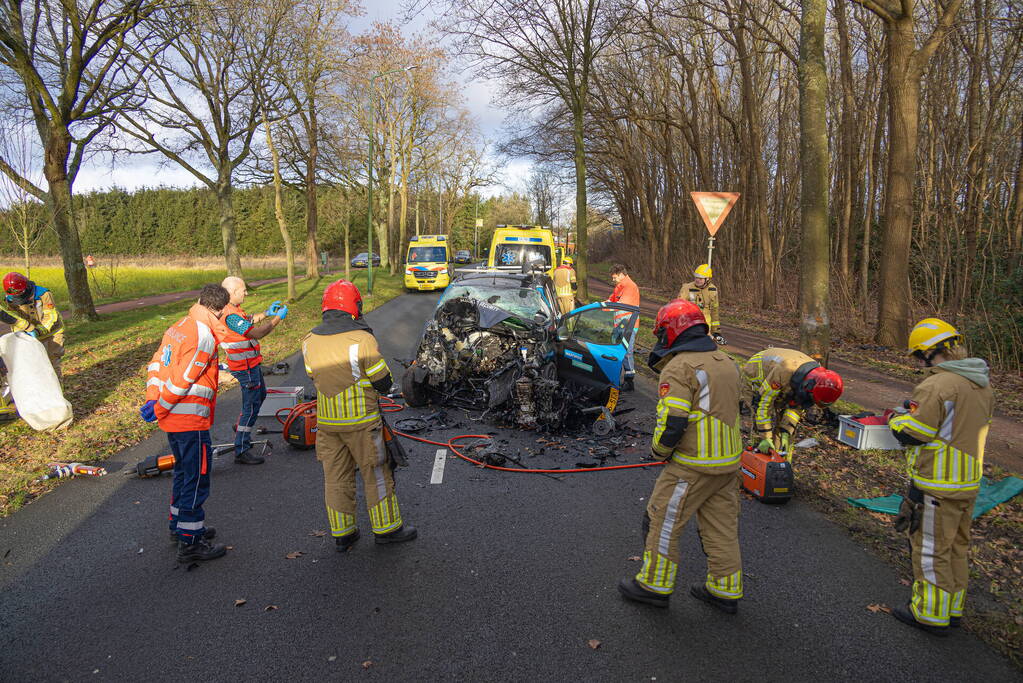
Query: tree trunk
581,263
312,264
814,327
848,134
59,199
348,243
873,164
225,203
289,251
904,120
1017,207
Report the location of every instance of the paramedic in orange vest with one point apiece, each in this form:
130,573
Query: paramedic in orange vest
180,394
244,359
626,292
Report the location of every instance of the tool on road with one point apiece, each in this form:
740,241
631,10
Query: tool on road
768,476
66,470
155,465
298,426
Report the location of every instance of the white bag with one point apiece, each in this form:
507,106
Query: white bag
34,385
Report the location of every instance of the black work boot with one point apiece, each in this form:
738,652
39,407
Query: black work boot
700,592
629,383
345,543
631,590
247,457
200,551
904,614
208,534
406,532
955,622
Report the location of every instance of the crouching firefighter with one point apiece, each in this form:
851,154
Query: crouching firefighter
699,436
784,383
34,311
944,429
344,362
181,395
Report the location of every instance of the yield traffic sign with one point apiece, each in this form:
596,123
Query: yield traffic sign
714,207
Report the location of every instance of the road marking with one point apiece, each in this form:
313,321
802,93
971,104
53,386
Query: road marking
438,466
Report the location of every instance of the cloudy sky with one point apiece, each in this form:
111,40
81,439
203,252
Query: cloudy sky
151,170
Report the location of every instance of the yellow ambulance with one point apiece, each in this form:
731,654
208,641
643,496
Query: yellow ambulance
426,263
514,246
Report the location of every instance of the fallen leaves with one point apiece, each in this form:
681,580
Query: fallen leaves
878,607
294,554
318,533
593,643
368,663
270,608
635,558
239,602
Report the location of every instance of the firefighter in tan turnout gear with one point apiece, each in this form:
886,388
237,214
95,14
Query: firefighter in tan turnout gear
565,285
784,383
698,434
344,362
705,295
944,429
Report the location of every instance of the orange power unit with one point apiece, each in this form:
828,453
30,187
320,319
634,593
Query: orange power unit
767,476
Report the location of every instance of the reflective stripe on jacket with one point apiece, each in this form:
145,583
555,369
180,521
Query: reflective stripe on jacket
183,373
769,374
343,367
702,387
242,353
40,314
564,278
625,292
706,298
951,416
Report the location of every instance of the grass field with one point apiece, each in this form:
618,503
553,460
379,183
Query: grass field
104,376
124,282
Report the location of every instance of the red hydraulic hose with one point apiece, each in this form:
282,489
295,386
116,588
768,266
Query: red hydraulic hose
389,406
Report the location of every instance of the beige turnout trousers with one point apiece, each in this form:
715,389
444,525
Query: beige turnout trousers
940,569
679,493
341,453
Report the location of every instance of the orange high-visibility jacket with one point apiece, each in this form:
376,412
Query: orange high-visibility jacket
242,352
625,292
183,373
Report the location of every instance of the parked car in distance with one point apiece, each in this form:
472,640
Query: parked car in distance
360,260
463,256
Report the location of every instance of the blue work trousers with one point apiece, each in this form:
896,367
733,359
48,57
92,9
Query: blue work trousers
253,395
630,361
193,463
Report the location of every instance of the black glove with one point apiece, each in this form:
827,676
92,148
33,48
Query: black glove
395,451
909,516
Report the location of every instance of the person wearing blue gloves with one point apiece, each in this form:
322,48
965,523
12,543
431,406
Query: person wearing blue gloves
239,340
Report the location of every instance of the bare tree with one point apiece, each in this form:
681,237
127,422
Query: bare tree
814,320
206,92
67,62
20,214
543,51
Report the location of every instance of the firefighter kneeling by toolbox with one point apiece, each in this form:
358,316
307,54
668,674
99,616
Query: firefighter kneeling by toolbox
181,394
944,429
698,433
786,382
342,358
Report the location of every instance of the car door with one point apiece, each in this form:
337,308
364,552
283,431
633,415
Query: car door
592,343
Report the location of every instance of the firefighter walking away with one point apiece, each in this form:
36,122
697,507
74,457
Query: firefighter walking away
944,429
342,358
698,434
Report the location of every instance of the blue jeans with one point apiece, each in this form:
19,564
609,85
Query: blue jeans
253,394
630,362
192,468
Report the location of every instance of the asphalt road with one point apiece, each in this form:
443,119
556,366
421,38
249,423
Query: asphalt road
511,576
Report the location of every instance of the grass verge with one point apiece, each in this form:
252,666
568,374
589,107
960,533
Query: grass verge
123,283
104,376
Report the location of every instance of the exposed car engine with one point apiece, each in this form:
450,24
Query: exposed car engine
480,356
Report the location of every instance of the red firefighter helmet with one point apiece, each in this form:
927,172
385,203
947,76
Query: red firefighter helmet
825,386
15,283
675,317
342,295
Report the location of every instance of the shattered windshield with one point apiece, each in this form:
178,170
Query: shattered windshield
521,302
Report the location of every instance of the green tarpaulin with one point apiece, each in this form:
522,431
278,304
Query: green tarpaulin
991,494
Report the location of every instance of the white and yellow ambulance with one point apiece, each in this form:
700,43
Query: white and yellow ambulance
426,263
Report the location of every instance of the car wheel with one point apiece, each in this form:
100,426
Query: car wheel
414,392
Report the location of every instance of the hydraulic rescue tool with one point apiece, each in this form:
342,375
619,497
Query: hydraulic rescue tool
64,470
768,476
155,465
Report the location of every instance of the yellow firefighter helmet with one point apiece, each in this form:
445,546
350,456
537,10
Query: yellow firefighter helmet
703,270
930,334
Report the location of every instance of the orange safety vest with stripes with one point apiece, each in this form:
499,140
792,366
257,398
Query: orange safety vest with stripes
242,353
625,292
183,373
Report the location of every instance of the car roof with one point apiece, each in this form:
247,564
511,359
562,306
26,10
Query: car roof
500,278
